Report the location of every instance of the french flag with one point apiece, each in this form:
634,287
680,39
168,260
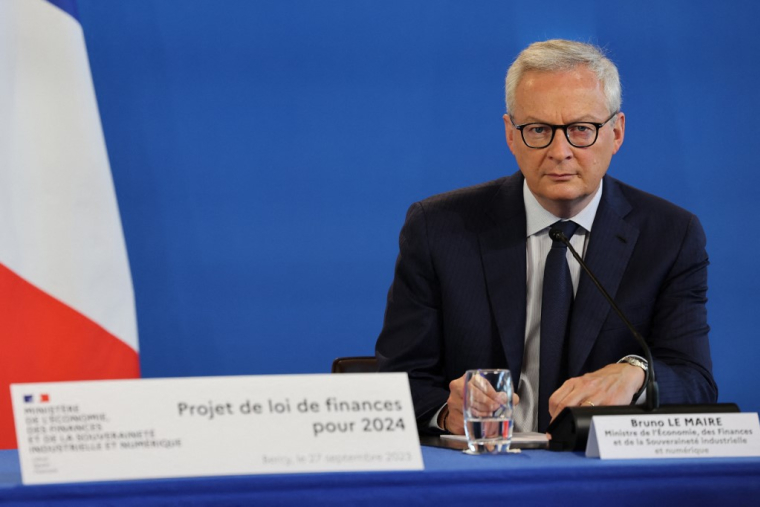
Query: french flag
66,301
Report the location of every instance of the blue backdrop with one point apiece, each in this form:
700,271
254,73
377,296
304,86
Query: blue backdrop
265,152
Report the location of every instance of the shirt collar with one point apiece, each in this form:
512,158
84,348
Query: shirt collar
538,218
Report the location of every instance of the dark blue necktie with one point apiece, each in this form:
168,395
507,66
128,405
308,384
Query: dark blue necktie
556,302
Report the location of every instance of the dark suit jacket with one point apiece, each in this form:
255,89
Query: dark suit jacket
458,298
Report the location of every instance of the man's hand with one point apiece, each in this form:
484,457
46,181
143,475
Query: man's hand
615,384
452,417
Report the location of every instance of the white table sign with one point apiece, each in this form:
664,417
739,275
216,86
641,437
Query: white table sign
151,428
674,436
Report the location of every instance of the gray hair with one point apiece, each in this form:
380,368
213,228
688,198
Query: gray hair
560,55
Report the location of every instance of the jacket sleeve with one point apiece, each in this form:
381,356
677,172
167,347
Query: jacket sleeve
679,337
411,339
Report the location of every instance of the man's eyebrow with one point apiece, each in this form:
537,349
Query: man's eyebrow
587,118
530,119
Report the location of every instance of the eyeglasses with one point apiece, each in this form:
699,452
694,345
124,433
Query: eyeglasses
579,134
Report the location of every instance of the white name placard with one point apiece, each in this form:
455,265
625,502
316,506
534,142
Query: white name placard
182,427
674,436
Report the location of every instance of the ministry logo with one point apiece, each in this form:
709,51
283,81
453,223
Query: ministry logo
40,398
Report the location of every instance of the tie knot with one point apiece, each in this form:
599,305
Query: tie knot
567,227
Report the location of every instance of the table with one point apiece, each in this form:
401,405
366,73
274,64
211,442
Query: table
450,478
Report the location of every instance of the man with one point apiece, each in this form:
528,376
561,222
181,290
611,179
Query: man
469,290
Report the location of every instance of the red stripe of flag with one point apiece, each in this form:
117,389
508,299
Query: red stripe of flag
44,340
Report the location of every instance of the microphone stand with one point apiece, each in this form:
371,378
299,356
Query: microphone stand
569,430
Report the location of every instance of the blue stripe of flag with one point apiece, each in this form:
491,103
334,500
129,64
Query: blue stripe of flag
68,6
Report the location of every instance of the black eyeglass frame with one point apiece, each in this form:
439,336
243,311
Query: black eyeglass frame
564,129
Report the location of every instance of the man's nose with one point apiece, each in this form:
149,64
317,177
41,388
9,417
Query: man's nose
559,148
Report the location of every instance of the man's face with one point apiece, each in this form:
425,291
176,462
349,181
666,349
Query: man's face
563,178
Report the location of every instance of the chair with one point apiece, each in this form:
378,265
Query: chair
355,364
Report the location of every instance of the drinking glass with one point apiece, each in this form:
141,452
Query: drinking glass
488,410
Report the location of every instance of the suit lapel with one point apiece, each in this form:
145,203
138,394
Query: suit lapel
502,248
610,246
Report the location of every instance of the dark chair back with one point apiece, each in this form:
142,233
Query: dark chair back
356,364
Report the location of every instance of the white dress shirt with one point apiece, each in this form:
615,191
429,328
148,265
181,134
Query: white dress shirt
538,221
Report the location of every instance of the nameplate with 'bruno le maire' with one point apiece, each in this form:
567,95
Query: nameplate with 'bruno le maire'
207,426
674,436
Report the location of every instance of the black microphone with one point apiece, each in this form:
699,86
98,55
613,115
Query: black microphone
652,390
569,430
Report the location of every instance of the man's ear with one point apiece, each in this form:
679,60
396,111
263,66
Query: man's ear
618,130
509,131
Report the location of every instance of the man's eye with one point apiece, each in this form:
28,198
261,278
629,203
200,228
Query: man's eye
537,129
581,129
